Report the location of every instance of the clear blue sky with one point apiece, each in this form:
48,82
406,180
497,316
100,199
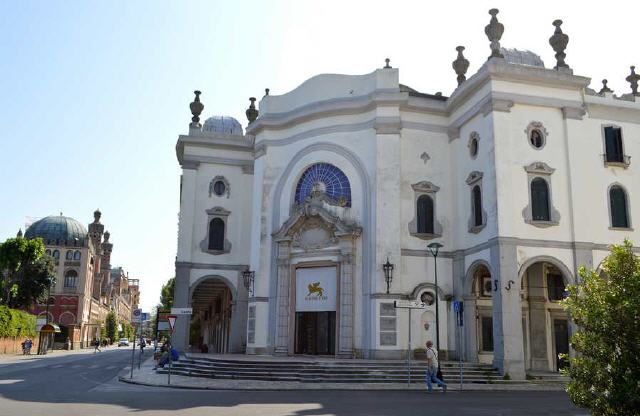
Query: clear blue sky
94,94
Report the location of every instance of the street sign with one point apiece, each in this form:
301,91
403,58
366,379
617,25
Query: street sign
144,316
409,304
172,321
457,306
181,311
137,313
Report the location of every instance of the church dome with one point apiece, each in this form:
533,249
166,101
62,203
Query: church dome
515,56
58,230
222,124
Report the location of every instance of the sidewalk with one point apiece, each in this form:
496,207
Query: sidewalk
147,376
15,358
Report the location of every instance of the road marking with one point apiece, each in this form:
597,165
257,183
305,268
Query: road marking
111,367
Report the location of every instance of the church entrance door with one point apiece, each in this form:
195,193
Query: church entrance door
315,333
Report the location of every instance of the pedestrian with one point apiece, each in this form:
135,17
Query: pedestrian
432,369
142,345
96,345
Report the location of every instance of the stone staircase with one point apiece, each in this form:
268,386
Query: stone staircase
325,371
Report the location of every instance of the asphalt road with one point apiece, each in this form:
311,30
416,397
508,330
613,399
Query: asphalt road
87,384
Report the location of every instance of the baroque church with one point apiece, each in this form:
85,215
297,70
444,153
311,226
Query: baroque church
299,232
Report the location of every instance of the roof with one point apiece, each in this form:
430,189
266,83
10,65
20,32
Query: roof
58,230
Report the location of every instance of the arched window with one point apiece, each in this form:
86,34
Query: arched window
540,200
76,255
216,234
327,180
476,195
48,252
618,206
70,278
69,255
425,214
56,254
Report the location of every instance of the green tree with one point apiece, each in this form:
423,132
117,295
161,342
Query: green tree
605,372
166,294
26,272
111,326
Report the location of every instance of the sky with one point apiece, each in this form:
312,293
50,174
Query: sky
93,94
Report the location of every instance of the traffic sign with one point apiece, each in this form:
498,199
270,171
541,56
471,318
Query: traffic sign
137,313
144,316
181,311
409,304
172,321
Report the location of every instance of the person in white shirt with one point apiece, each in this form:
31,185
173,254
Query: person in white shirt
432,369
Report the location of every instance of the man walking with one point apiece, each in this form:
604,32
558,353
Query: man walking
96,345
432,369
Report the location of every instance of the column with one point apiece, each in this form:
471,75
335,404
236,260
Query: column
508,348
345,343
470,329
180,337
283,305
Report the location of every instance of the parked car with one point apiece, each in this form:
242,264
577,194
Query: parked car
123,342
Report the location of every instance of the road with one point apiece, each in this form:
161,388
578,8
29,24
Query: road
86,384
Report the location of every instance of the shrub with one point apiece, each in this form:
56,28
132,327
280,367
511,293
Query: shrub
15,323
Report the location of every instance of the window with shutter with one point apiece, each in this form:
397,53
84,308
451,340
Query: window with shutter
540,200
618,201
613,144
477,206
216,234
425,214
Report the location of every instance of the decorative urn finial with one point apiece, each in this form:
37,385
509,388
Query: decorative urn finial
107,234
19,235
96,215
494,31
387,60
252,113
266,91
604,87
460,65
633,79
196,109
559,43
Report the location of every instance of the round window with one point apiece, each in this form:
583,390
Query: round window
428,298
536,138
219,188
473,147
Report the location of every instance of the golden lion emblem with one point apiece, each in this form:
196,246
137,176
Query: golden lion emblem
315,288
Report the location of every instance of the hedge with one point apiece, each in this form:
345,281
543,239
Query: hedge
15,323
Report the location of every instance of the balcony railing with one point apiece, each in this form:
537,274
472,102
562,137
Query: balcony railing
617,159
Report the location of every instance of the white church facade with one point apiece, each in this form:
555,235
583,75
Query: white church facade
523,175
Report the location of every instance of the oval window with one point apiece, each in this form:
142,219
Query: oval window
219,188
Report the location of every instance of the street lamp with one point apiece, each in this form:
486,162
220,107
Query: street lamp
434,248
248,276
388,273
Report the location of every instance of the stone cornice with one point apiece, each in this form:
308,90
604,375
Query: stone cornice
213,141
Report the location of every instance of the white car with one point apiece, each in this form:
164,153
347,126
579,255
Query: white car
123,342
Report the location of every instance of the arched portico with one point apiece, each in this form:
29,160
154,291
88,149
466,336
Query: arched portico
216,323
545,323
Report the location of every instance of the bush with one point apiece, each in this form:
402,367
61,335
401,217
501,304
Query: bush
15,323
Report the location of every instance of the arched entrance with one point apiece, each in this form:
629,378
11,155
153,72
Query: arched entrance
211,328
546,323
479,315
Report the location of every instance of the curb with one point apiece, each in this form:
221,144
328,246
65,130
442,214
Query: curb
179,386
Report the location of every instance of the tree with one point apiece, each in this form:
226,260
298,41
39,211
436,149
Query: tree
111,326
26,271
605,372
166,294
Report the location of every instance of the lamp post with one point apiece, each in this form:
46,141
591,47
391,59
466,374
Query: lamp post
42,351
388,273
248,277
434,248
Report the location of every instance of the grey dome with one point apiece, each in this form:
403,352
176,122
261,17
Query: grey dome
58,230
222,124
515,56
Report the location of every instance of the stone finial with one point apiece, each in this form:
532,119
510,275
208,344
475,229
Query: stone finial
266,91
196,109
107,234
494,31
604,87
96,215
19,235
387,60
559,43
460,65
252,113
633,79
